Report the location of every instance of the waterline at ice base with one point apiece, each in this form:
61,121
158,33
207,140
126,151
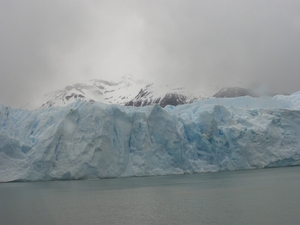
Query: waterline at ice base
87,141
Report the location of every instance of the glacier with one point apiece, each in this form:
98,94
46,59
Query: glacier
87,141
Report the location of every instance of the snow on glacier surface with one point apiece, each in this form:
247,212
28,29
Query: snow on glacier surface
84,140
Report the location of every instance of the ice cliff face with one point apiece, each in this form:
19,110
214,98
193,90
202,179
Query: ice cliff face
84,140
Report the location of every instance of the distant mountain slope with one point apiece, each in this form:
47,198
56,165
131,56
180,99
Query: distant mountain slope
233,92
94,90
131,92
162,95
128,91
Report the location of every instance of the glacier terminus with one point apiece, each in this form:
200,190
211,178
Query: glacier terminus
94,140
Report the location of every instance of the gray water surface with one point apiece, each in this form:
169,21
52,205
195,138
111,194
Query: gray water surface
268,196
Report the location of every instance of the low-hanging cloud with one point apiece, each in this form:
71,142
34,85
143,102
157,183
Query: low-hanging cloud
46,45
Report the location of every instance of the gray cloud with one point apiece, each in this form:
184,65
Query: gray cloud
45,46
33,34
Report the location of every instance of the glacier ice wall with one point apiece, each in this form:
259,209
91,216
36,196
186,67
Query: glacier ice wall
84,140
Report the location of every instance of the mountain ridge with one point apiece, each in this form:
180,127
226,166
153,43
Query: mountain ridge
132,92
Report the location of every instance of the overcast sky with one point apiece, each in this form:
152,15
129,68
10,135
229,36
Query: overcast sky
45,45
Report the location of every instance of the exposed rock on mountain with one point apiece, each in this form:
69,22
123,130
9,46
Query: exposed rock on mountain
131,92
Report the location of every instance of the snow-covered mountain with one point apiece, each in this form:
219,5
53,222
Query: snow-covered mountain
127,91
165,94
94,90
132,92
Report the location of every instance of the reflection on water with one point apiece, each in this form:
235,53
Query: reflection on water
269,196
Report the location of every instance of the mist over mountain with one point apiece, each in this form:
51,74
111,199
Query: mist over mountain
46,46
129,91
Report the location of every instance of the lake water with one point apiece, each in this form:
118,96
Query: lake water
268,196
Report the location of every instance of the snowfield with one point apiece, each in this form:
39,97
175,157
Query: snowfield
85,141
